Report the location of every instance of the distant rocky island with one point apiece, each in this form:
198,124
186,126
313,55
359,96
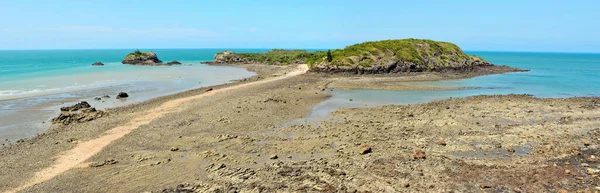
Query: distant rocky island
146,58
378,57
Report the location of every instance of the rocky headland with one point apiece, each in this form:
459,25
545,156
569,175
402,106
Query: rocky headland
146,58
403,56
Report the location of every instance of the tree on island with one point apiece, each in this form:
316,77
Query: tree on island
329,57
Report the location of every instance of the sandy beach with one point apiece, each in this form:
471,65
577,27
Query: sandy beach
233,138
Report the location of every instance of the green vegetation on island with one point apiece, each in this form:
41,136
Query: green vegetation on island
404,55
141,58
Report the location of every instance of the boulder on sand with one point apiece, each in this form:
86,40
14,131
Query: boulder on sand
78,113
122,95
174,62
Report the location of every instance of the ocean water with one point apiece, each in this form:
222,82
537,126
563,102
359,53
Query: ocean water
552,75
35,83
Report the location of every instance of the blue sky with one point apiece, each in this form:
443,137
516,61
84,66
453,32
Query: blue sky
508,25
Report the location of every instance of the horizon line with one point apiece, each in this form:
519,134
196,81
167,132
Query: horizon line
216,48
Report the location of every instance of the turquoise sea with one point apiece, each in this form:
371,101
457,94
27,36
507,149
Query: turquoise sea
33,84
552,75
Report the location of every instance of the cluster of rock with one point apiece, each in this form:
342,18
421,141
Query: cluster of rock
78,113
228,57
147,59
388,56
399,66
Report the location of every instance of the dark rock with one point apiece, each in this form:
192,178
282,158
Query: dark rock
122,95
174,149
174,62
273,156
97,64
106,96
97,98
76,107
142,58
78,113
80,116
104,163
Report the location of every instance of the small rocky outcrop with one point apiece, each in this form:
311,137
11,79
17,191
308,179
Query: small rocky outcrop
78,113
174,62
142,58
225,57
98,64
122,95
76,107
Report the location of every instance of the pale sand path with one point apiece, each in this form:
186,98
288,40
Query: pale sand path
85,150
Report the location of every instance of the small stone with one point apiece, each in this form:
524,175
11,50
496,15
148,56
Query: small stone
592,159
273,156
97,98
510,149
174,149
591,171
563,191
419,154
567,171
586,142
351,100
104,163
442,142
485,186
364,149
106,96
406,184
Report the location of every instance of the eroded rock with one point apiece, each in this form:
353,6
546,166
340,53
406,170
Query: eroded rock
78,113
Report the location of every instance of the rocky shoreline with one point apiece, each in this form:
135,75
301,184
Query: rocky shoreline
238,141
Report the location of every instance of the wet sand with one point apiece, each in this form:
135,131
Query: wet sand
237,140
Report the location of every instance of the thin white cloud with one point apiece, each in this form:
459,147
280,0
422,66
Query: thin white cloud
79,28
252,29
249,29
187,32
